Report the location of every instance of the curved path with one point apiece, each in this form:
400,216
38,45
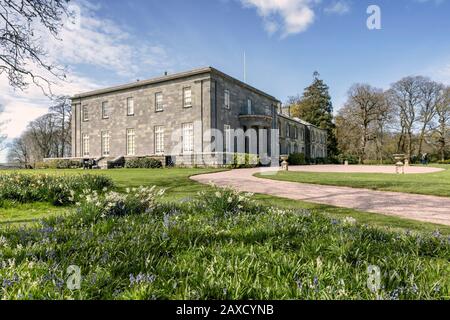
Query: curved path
364,169
411,206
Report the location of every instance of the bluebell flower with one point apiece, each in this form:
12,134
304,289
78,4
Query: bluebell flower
437,234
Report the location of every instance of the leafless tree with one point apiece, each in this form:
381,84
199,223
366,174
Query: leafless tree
443,122
43,133
384,120
20,150
22,56
406,95
365,106
2,134
431,96
61,112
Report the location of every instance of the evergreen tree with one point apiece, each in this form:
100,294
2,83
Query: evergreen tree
315,107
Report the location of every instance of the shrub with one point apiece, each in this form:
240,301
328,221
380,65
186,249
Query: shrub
116,163
296,159
58,164
113,204
143,163
444,162
225,200
321,161
59,190
348,157
244,160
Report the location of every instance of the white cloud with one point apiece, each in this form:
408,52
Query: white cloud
287,16
103,43
443,74
338,7
21,107
92,41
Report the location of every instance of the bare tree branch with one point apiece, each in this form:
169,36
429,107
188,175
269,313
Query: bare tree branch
20,47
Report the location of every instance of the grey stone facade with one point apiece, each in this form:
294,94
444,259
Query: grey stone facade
207,111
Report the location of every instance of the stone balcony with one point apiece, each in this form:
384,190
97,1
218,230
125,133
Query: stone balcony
256,116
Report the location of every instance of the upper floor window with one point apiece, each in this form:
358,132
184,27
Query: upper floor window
85,113
187,97
159,101
227,99
130,107
131,142
105,110
288,130
249,106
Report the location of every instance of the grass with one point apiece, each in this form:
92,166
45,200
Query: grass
436,184
378,220
180,188
175,180
207,247
215,249
19,215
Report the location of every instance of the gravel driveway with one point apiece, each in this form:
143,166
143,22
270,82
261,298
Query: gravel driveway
416,207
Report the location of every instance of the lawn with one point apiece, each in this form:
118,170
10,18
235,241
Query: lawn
218,244
437,184
180,188
223,245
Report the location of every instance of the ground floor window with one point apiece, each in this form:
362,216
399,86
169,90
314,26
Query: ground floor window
188,137
131,142
85,145
106,137
159,139
227,138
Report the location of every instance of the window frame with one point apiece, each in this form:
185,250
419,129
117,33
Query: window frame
130,145
157,109
84,112
105,115
128,107
227,99
249,106
227,138
106,135
159,131
85,147
190,148
186,89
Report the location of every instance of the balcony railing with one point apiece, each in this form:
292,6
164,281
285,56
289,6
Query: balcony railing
256,111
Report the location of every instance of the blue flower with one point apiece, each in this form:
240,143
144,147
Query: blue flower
141,279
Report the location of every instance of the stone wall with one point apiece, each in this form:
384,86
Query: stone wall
145,118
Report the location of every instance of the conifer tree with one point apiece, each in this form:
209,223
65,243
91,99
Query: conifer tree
315,107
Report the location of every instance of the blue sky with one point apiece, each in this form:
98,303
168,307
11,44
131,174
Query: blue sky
118,41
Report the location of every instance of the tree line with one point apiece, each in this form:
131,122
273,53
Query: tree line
412,117
49,136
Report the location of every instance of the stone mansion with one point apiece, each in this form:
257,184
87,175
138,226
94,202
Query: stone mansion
194,117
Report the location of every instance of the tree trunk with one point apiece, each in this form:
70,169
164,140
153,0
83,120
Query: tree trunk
421,139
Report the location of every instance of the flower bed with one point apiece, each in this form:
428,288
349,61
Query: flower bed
221,245
59,190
